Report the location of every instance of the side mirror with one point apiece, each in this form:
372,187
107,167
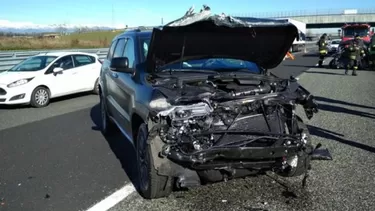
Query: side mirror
57,69
120,64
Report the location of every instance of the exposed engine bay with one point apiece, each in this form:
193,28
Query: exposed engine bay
225,122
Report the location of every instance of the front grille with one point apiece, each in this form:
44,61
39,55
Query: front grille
2,92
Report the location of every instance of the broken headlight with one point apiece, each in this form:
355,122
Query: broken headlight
181,113
159,102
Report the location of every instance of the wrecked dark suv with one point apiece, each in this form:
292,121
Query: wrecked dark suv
196,100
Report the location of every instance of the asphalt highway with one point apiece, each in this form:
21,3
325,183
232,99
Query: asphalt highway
55,158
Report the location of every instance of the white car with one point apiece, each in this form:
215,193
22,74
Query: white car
39,78
334,45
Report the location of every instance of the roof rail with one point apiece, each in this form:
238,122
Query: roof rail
142,28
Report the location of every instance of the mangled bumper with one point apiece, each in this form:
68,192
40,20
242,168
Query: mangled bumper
239,157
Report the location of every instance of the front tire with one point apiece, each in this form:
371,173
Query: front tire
303,158
333,64
40,97
150,184
96,87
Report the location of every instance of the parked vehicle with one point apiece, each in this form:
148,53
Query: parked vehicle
298,44
333,45
40,78
195,100
348,31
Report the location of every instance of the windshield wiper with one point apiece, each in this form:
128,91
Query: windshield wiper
235,70
189,71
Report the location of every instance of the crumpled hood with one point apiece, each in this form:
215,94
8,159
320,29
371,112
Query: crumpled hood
202,35
10,77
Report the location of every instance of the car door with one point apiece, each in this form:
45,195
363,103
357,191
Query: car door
62,83
111,80
86,71
124,83
105,79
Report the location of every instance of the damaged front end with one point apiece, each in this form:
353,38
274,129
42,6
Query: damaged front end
230,124
225,123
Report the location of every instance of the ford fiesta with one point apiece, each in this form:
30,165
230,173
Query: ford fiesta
39,78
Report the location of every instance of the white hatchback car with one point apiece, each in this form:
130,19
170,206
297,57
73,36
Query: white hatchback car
39,78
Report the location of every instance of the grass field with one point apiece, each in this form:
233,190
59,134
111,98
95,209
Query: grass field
99,39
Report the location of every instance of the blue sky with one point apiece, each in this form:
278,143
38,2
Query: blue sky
142,12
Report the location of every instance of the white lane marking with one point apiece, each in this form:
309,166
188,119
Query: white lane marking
113,199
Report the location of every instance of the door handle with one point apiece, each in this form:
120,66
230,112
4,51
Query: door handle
114,75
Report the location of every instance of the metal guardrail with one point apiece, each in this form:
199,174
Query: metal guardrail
10,58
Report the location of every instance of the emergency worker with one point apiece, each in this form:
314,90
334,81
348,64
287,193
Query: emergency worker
361,50
371,50
322,43
351,54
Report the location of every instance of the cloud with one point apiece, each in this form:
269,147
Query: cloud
23,25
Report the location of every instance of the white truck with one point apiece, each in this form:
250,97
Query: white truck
298,45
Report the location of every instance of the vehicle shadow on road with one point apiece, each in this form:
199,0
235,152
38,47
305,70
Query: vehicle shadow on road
315,72
13,107
296,65
329,100
324,133
310,55
338,109
324,73
121,147
316,54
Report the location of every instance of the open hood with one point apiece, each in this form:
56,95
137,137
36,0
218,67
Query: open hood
202,35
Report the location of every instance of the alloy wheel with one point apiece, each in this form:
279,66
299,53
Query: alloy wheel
41,97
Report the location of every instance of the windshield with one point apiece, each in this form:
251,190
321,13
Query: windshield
350,32
33,64
202,64
219,64
336,42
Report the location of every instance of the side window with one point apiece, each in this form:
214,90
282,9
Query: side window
129,52
65,62
81,60
111,50
119,48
